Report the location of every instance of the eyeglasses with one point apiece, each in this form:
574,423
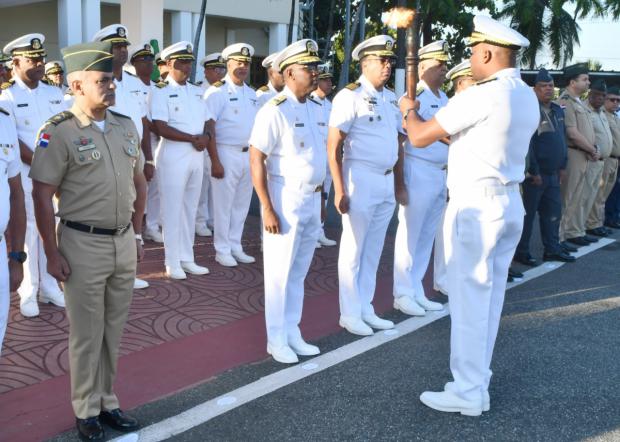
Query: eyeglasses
312,68
614,100
383,60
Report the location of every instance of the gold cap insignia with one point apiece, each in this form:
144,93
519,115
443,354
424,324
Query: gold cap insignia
389,45
121,31
312,47
220,59
148,47
35,43
245,51
189,49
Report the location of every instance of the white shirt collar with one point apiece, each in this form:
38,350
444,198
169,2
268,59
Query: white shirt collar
22,85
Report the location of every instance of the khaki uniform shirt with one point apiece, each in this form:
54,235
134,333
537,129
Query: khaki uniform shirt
577,114
93,170
602,132
614,125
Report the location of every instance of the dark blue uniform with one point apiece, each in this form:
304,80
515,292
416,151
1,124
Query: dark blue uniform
612,206
547,156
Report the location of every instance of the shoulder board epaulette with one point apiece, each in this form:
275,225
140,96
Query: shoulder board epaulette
251,87
264,88
199,83
161,84
419,90
488,80
117,114
352,86
130,73
69,91
278,100
314,101
4,111
59,118
46,81
8,84
219,83
193,84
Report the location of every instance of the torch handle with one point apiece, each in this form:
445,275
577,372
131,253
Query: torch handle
412,59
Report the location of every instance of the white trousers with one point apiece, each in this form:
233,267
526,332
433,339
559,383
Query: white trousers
231,200
36,277
371,207
5,295
417,225
287,257
440,270
205,205
180,181
153,204
483,230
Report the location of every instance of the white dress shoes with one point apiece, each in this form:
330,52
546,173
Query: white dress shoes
376,322
243,258
301,347
153,235
355,326
325,241
451,403
139,284
282,353
225,260
203,230
175,273
408,306
57,298
28,307
427,304
193,269
486,399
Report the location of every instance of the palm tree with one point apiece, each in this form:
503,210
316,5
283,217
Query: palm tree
550,22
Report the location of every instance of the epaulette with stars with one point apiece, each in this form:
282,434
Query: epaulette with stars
7,84
59,118
353,86
219,83
264,88
161,84
278,100
488,80
419,91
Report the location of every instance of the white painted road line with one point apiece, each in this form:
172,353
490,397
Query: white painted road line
208,410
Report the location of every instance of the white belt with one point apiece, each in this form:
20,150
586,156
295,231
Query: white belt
233,147
485,190
362,165
441,166
296,184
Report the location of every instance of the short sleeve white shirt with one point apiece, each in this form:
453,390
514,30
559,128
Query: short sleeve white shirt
10,166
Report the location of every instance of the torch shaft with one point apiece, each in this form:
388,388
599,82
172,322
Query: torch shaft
412,59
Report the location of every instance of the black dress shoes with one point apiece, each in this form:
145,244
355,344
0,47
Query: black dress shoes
599,231
567,247
559,256
514,274
578,241
590,238
89,428
119,420
526,260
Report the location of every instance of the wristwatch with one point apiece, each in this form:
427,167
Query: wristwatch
139,238
20,257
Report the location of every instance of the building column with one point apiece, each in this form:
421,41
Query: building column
199,51
278,33
69,28
144,20
91,18
181,26
231,37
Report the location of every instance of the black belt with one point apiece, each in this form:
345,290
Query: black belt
91,229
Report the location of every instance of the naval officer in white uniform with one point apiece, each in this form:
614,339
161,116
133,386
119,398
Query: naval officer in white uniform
232,105
320,94
287,155
214,71
461,79
30,102
363,149
425,177
491,124
275,84
180,116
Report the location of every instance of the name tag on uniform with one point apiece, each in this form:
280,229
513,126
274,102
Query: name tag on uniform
55,101
299,124
233,99
173,95
434,106
321,124
87,147
22,105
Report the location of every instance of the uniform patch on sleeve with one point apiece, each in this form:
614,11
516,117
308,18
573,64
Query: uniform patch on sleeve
43,139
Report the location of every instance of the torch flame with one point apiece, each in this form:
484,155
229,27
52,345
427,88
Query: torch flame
398,17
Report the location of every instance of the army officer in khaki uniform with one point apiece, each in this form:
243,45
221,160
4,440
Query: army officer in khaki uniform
90,157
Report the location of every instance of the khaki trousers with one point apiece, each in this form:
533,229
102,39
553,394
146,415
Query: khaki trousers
591,187
608,179
572,225
98,294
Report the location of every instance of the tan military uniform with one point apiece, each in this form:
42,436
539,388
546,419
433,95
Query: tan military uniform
577,115
609,174
94,173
